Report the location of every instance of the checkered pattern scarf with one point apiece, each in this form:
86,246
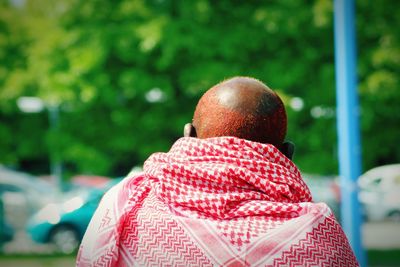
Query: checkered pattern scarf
214,202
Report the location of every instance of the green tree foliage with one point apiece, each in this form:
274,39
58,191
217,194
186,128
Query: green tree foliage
126,75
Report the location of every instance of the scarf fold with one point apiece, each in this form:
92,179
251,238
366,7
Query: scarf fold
214,202
227,177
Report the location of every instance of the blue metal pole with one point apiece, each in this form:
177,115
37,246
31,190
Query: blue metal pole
348,124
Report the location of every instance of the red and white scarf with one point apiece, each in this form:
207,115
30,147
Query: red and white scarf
214,202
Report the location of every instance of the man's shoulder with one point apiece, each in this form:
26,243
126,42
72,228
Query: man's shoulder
127,184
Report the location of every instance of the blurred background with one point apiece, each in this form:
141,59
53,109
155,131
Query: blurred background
89,89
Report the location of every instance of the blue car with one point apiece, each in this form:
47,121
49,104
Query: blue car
64,224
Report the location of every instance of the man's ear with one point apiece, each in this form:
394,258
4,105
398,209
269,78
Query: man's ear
287,149
189,130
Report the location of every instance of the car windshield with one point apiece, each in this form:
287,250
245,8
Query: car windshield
89,194
25,181
83,193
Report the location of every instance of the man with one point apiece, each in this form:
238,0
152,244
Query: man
227,194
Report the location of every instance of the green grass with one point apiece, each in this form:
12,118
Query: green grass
383,257
37,260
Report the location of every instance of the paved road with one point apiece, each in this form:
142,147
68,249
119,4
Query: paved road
382,235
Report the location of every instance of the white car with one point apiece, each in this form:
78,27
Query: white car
22,195
380,193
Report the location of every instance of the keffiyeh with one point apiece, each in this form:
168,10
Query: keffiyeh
220,201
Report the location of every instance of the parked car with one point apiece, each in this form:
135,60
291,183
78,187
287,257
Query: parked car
6,231
23,194
64,224
325,189
380,193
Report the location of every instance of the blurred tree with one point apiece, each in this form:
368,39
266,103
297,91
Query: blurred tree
20,139
379,68
126,75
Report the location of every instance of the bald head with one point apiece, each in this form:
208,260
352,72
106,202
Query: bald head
242,107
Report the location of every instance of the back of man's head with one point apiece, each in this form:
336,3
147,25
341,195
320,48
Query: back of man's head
242,107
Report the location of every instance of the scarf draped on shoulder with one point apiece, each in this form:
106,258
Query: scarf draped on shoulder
221,201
